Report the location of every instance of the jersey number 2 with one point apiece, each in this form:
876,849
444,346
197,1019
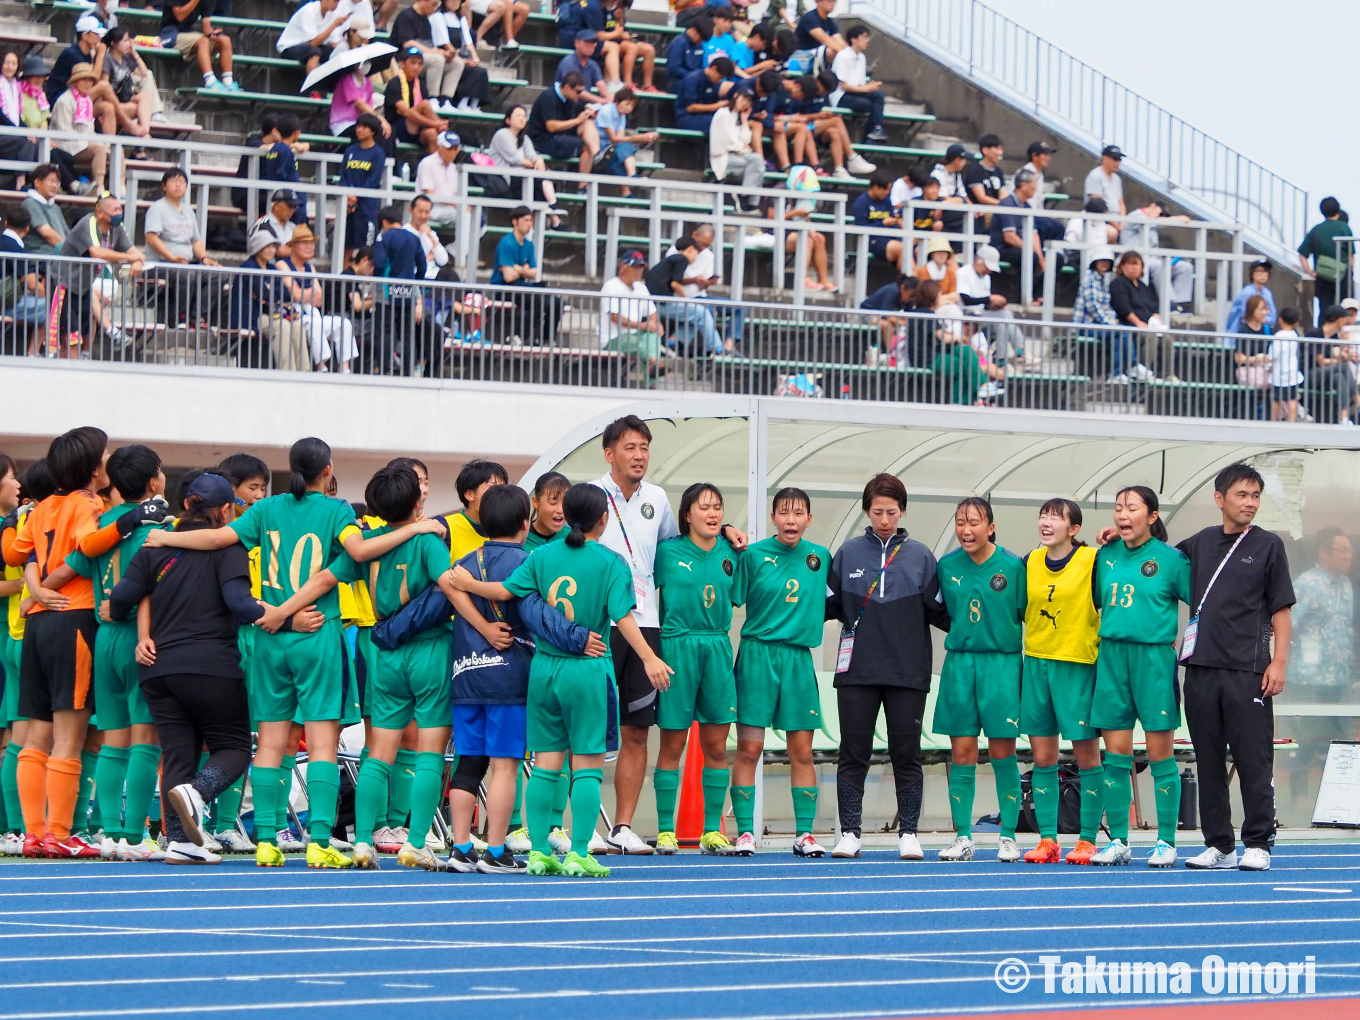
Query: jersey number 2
792,587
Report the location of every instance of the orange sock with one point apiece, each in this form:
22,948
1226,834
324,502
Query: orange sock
31,776
63,790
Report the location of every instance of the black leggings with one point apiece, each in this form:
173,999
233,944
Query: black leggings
190,710
903,708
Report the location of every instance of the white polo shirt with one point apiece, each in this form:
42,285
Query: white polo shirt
647,521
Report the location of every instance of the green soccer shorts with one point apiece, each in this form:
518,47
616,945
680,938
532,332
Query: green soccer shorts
411,682
302,677
1136,683
117,687
10,653
979,693
364,649
568,704
1055,698
777,687
704,687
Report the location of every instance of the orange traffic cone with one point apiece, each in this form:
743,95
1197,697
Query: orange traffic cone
689,815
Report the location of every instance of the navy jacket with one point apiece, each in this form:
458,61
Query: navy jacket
399,254
683,57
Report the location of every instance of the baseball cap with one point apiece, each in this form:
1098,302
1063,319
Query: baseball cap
448,140
991,258
1113,151
586,35
284,195
954,152
412,51
89,23
213,491
1351,305
1039,148
633,258
1262,264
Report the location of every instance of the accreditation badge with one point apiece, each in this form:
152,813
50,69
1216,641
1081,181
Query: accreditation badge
845,652
1188,640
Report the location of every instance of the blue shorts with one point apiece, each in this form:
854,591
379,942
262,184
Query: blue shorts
879,246
564,145
497,731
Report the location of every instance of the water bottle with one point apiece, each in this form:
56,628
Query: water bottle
1189,800
406,172
871,356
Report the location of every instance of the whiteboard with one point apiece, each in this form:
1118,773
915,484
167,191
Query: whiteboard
1338,799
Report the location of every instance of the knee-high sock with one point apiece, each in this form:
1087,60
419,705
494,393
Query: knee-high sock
109,777
538,805
714,783
9,784
427,787
31,777
744,808
585,806
1167,783
666,783
1044,786
323,799
962,786
4,811
804,808
1007,774
288,765
370,798
63,794
267,786
1093,802
1118,794
87,814
399,790
559,805
516,818
227,807
143,774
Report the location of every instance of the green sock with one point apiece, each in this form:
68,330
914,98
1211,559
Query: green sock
538,805
109,776
516,818
289,766
4,812
1007,773
370,798
804,808
1092,802
323,799
87,811
1044,785
1167,783
585,804
266,784
427,787
143,774
9,784
399,791
227,806
962,785
1118,794
744,808
559,803
666,783
714,782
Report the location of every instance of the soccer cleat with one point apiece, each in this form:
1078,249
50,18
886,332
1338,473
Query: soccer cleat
458,861
1163,855
290,841
848,845
365,857
70,847
806,845
543,864
210,843
142,850
745,846
1114,853
108,848
909,847
343,845
716,843
623,840
597,845
517,842
1047,852
11,844
187,802
1254,859
959,850
1213,859
319,856
1082,852
560,841
584,866
419,857
190,853
505,864
666,843
233,841
267,855
385,840
1007,850
436,842
33,845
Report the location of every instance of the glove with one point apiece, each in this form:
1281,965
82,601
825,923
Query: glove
152,511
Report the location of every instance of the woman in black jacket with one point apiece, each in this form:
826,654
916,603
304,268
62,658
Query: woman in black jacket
190,664
1135,302
886,596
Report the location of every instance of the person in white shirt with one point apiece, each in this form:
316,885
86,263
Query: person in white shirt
857,91
629,322
952,189
437,176
1040,154
702,274
307,36
974,283
1285,375
436,255
1104,182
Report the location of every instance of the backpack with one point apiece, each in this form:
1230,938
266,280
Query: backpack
1069,800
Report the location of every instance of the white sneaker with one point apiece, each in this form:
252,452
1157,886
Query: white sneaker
343,845
1213,859
190,853
860,166
623,840
1007,850
234,841
1119,379
842,174
290,842
1254,859
210,843
365,857
12,844
419,857
745,845
1163,855
108,849
560,841
807,846
142,850
597,845
1141,371
385,840
990,390
909,847
436,842
959,850
510,44
518,842
848,846
187,802
762,241
1114,853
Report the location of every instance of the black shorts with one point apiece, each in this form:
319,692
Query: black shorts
637,696
57,663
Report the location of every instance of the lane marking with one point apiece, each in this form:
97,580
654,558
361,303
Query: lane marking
1309,889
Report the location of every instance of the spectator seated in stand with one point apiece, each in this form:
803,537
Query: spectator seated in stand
74,111
808,96
899,296
353,97
452,27
582,62
442,67
405,107
686,52
873,209
629,322
1139,232
535,315
511,15
819,37
307,36
855,89
174,239
701,93
1258,287
1008,231
136,102
940,266
187,28
686,321
621,60
327,334
729,146
279,223
621,144
1135,303
561,126
279,150
256,305
1104,182
815,245
511,147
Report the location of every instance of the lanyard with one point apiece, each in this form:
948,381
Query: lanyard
481,569
1221,565
883,572
619,517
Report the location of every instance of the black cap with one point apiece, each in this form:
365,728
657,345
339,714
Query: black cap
284,195
954,152
1038,149
1262,264
1113,151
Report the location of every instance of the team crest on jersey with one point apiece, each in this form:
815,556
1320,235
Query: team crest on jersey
998,582
727,567
813,561
1149,568
648,511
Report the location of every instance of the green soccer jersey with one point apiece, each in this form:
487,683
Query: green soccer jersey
590,585
408,569
1139,589
297,539
107,569
534,539
784,592
986,601
695,586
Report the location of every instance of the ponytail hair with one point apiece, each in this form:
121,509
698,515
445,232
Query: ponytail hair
306,460
1149,499
583,506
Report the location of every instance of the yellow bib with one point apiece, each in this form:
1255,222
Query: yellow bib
1061,621
13,620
